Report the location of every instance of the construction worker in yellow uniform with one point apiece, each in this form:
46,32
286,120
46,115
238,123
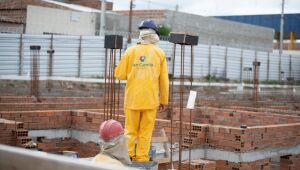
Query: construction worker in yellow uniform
144,66
113,144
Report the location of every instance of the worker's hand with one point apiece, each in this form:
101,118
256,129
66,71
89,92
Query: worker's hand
162,108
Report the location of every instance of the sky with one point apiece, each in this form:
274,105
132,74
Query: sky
214,7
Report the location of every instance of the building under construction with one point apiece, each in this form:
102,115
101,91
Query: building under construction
243,124
55,91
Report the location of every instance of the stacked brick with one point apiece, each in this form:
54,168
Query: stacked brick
290,162
13,133
59,145
6,127
22,138
256,165
197,136
198,165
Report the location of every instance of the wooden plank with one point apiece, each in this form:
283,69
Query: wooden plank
162,160
159,139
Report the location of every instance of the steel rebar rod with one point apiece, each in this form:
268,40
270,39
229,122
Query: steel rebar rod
181,104
105,83
119,86
171,103
191,85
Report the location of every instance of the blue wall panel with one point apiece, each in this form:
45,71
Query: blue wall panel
291,21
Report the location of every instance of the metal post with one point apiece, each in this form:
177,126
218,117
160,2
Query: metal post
290,66
34,73
241,66
171,99
268,67
290,79
256,65
119,87
79,57
130,22
226,63
50,64
109,86
281,38
105,84
102,22
181,104
209,63
21,53
191,86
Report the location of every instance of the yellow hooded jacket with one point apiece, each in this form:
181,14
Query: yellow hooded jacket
144,66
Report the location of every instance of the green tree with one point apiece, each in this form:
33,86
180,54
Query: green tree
164,30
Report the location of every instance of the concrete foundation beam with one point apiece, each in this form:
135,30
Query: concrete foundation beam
199,153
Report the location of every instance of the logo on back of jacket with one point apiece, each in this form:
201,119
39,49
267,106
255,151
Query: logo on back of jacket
142,63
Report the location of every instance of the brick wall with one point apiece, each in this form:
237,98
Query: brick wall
87,120
49,106
283,110
232,117
216,136
23,103
40,119
253,138
276,102
290,162
26,99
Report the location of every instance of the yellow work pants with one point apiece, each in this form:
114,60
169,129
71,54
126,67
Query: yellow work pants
139,126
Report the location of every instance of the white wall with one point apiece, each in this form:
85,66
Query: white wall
66,58
49,20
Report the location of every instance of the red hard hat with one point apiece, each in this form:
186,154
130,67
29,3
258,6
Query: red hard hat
110,129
